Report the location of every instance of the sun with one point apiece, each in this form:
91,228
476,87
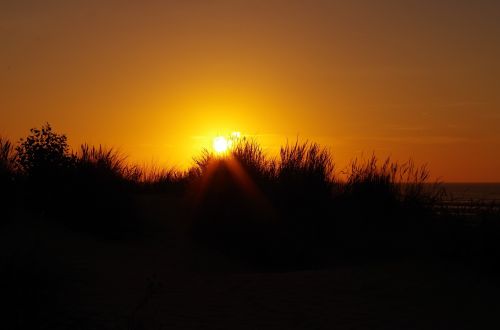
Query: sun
221,144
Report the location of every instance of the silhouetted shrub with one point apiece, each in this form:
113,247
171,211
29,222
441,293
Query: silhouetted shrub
89,190
43,153
43,158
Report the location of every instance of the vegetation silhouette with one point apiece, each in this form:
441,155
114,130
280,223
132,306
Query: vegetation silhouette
43,153
44,163
101,191
291,211
7,177
296,212
87,189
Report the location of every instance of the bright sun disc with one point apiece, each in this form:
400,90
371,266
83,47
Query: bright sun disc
221,144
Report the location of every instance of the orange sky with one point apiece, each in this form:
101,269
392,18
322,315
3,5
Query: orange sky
159,79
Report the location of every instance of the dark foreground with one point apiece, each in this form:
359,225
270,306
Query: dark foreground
57,278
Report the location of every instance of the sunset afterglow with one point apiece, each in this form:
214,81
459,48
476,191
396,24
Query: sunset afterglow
160,79
250,164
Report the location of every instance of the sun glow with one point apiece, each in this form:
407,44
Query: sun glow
221,144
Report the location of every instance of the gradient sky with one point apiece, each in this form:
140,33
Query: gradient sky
159,79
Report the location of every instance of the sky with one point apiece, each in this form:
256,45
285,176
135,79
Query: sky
159,79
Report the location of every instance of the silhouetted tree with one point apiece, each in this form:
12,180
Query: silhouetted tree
43,152
44,161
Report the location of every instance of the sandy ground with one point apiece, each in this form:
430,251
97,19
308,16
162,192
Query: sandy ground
73,280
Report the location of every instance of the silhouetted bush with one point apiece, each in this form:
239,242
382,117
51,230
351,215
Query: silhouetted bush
90,190
43,154
44,161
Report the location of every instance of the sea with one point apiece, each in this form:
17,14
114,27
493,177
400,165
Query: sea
472,199
484,192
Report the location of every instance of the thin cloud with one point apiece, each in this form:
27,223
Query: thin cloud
416,139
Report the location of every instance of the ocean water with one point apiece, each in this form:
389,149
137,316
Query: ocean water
473,191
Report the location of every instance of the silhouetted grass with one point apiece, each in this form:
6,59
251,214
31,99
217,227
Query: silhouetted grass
390,187
294,210
228,196
305,162
301,210
105,163
7,176
100,188
382,208
303,196
91,189
7,157
253,160
158,180
269,210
